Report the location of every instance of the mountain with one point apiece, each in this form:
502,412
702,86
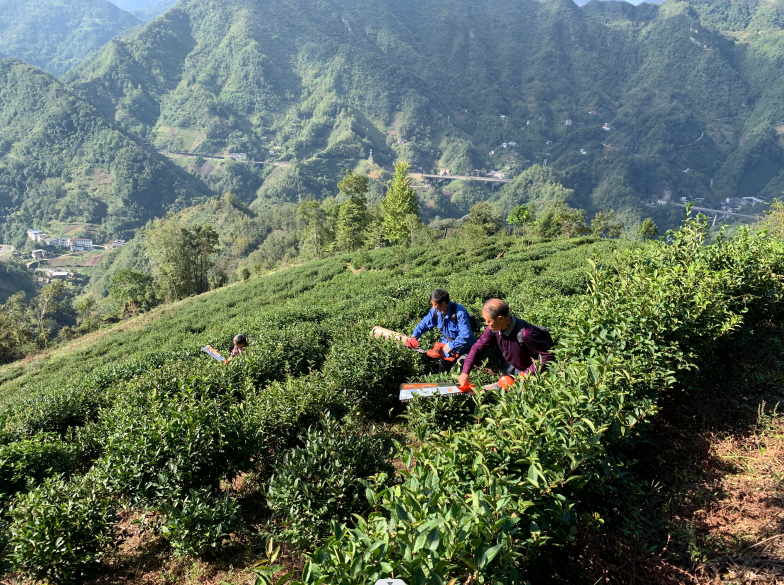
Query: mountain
57,36
148,13
689,107
60,160
130,5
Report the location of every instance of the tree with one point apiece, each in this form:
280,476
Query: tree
520,216
648,229
133,291
181,258
399,203
561,220
353,185
352,224
484,215
43,305
352,221
313,228
14,328
605,225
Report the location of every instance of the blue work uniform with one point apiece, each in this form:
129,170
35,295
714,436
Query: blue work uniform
455,327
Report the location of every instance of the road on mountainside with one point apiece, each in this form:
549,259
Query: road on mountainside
5,252
710,211
461,178
277,163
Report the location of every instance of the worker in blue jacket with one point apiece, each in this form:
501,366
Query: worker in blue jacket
455,326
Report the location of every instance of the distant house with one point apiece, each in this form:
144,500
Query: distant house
16,254
81,245
583,151
116,243
592,112
504,145
513,144
752,200
661,201
38,254
733,201
444,172
549,143
36,235
606,127
568,122
57,273
239,156
492,152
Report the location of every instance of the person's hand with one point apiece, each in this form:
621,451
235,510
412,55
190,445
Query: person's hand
463,380
447,350
412,342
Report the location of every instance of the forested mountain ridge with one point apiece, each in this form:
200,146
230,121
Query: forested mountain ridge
57,36
59,159
689,106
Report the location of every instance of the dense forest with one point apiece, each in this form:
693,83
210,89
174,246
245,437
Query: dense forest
62,161
688,92
57,36
690,113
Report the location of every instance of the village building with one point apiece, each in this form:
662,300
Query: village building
81,245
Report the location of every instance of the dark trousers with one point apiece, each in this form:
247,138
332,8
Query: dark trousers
445,365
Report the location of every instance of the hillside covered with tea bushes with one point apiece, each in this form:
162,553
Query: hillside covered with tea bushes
140,420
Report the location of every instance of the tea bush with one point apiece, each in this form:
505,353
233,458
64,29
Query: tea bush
199,522
32,461
477,502
369,371
184,441
321,481
164,428
53,411
60,530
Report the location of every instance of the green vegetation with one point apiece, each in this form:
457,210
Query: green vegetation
692,115
139,418
62,161
57,36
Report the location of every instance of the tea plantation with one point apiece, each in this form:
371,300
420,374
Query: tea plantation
465,490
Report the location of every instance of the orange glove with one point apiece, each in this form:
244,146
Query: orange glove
412,342
435,353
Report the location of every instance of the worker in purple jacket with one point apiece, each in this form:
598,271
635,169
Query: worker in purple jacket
521,344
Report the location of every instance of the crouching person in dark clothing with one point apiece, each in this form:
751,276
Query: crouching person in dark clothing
521,344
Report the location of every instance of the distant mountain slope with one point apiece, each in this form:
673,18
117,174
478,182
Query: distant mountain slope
689,108
60,160
130,5
148,13
57,36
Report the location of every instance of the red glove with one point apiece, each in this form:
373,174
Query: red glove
412,342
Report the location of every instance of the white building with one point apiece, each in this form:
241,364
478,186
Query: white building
81,245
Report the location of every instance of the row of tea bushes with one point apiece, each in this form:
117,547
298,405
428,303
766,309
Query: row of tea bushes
477,503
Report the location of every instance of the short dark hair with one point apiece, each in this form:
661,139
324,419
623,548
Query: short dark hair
240,339
496,308
439,296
